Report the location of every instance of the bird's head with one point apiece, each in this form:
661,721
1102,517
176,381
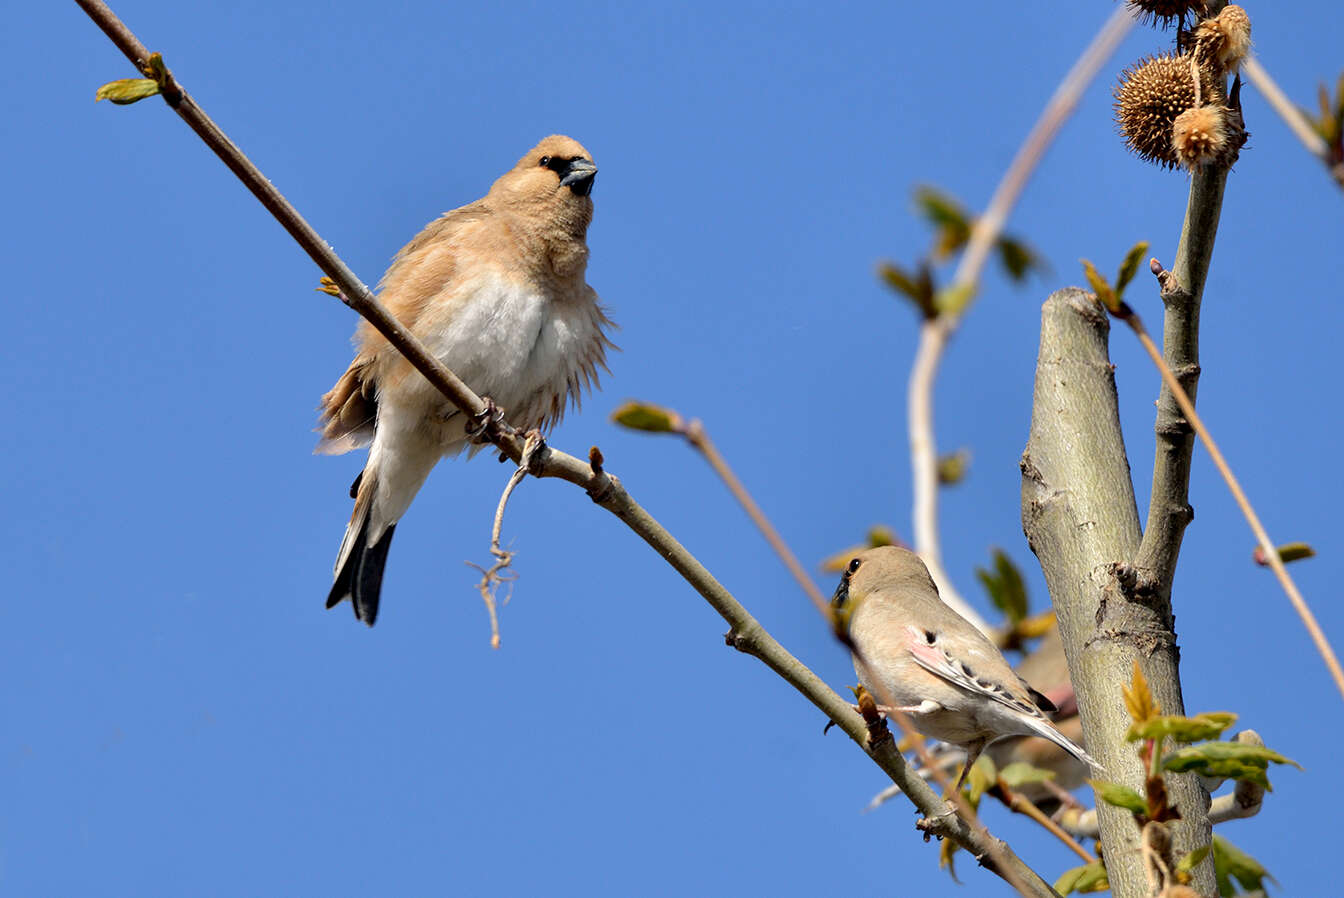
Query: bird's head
888,569
554,181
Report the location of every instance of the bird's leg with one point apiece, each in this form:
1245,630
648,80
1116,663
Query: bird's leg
972,753
478,425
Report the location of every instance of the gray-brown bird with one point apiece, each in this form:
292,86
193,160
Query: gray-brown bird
496,290
915,654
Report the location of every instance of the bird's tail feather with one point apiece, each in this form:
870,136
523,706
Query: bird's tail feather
1047,730
360,563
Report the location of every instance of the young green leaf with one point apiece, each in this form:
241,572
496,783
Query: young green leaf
1099,286
1005,586
952,467
1129,266
980,779
1287,552
1018,259
951,221
1020,773
952,300
1138,697
1209,725
125,91
647,417
1227,760
1192,860
918,288
1230,862
1090,878
1121,796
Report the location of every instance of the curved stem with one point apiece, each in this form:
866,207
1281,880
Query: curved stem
935,333
1292,116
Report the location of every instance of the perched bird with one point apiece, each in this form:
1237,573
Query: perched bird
918,656
496,290
1047,668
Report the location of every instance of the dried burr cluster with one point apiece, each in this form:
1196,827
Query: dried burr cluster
1173,108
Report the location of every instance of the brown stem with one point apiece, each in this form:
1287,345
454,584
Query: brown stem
697,436
1021,804
1267,547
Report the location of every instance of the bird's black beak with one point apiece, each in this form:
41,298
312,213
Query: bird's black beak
579,175
841,593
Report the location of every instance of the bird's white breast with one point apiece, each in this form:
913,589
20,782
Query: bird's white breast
510,341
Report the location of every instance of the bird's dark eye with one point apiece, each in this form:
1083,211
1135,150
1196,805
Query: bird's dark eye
854,565
545,161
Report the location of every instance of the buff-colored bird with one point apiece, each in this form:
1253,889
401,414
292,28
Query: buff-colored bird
915,654
496,290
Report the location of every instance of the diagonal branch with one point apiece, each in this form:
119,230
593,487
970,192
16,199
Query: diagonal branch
605,489
1267,547
1292,116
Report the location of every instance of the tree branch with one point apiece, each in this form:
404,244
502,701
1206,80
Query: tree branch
1080,518
1169,508
605,489
1292,116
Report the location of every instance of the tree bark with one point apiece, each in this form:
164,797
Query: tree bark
1081,520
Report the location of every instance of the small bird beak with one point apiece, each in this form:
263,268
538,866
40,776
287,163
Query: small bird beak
579,176
841,594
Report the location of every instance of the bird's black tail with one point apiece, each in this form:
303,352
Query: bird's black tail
360,576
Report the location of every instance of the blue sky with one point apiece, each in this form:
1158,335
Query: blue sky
182,717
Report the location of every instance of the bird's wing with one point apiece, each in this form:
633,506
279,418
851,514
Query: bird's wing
349,410
419,272
928,652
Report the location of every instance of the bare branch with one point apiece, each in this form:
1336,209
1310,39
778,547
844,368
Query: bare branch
1292,116
1061,105
1182,290
697,436
1267,547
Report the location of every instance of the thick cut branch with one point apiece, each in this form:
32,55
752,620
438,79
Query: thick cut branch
1080,518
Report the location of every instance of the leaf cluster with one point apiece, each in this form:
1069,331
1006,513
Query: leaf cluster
952,227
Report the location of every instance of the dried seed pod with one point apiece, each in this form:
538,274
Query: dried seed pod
1207,135
1151,94
1224,40
1199,136
1164,12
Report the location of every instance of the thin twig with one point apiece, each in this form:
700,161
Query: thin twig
603,487
1261,535
698,438
988,226
1292,116
935,333
1020,803
498,573
696,434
